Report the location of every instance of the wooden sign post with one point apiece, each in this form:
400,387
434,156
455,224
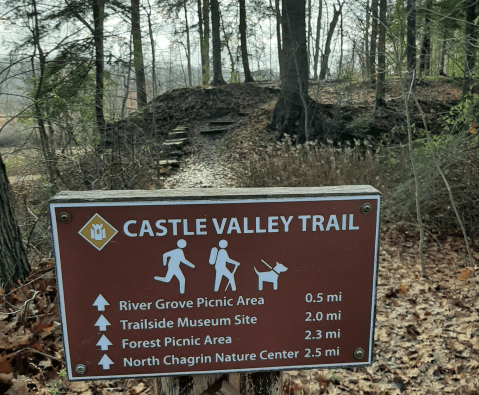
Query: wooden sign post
214,281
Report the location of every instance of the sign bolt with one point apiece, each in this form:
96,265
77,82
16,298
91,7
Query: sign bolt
366,208
359,353
80,369
64,217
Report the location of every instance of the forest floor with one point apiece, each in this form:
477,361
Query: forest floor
426,335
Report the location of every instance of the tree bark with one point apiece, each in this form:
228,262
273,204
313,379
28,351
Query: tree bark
278,35
244,51
188,46
327,47
215,29
373,42
138,54
205,48
442,62
469,47
47,144
366,45
14,265
153,53
289,113
98,18
318,36
411,42
425,54
380,89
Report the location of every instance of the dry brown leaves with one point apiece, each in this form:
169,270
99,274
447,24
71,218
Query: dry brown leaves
427,331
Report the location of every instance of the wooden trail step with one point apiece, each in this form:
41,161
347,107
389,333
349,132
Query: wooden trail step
177,135
168,162
175,143
181,128
173,153
225,122
213,131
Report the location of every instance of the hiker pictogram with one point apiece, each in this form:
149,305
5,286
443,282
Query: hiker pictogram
219,258
173,259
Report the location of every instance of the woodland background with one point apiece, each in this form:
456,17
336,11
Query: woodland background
321,92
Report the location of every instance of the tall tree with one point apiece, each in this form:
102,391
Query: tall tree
373,42
204,18
380,88
244,51
215,29
14,265
138,54
366,66
411,42
469,46
188,45
290,113
317,41
425,54
98,7
327,46
279,23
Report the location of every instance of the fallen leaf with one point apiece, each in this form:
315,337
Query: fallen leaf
465,274
5,366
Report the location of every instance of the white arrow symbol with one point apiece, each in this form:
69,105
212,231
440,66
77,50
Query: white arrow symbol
105,362
100,303
102,323
104,343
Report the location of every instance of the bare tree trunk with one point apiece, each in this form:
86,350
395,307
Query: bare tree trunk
98,17
205,52
372,46
138,54
14,265
411,43
47,146
289,113
425,54
366,69
153,53
340,67
127,84
318,36
202,40
310,33
188,46
215,28
470,42
442,62
279,24
327,48
244,51
380,89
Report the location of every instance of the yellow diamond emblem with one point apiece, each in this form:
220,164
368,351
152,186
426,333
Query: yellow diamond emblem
98,232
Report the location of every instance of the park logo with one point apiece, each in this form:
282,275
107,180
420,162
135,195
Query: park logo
98,232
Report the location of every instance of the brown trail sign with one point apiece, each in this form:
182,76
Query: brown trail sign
219,280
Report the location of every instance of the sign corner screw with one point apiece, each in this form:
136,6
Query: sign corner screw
359,353
366,208
64,217
80,369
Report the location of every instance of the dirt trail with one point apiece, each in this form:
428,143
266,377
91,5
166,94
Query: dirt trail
204,165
